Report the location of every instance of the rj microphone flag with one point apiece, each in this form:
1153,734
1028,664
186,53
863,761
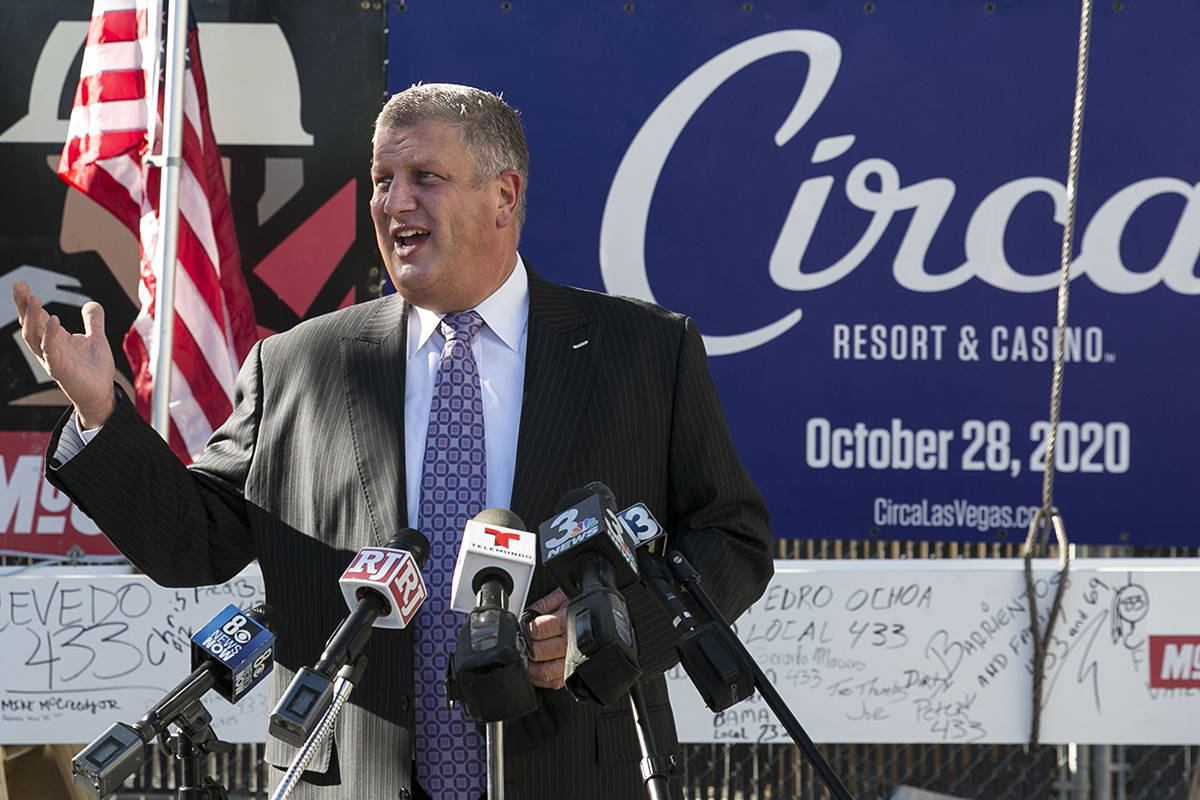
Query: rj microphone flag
115,122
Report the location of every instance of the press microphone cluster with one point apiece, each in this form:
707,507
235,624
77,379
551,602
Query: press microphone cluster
383,588
231,655
488,673
590,552
585,545
719,674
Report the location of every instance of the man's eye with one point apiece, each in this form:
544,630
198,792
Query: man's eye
382,180
426,177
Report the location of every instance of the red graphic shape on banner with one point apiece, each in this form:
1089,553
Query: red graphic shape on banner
302,263
36,518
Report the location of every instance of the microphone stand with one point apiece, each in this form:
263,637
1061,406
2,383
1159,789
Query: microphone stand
105,764
492,595
343,684
192,743
488,674
495,761
690,579
655,768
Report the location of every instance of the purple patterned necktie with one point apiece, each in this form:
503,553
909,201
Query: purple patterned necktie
449,748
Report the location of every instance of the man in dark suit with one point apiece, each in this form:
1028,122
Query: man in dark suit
330,448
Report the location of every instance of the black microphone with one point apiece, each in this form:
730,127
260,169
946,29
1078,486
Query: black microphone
384,588
590,553
715,668
231,654
489,669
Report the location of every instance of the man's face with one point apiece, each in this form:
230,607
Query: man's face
446,242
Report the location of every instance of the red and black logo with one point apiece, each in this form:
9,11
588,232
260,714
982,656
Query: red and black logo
1175,662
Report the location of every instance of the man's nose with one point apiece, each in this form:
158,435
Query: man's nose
399,198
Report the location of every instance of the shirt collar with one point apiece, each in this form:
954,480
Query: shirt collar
505,311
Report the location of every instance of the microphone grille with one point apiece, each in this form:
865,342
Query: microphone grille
603,490
500,516
575,495
265,615
414,542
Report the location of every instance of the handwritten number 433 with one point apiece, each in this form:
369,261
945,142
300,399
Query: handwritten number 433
889,636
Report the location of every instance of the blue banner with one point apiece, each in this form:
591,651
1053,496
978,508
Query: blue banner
862,206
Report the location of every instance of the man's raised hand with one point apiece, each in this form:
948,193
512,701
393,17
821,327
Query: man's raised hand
81,364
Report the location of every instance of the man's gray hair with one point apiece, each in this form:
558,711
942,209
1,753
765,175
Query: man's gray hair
490,128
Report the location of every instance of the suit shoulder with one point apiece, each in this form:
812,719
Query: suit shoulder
627,309
333,326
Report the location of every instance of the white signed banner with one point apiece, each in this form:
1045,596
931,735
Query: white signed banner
941,651
879,651
84,648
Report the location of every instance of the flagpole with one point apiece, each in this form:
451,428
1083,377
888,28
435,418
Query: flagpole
171,163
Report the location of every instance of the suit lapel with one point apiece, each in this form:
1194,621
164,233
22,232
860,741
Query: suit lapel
374,359
560,346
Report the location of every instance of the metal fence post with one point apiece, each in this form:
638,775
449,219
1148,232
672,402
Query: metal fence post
1102,772
1120,768
1083,772
1064,786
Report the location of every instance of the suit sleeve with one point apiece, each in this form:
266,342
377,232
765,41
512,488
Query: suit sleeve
182,526
717,519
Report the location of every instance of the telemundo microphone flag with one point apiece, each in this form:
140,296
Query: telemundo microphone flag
115,122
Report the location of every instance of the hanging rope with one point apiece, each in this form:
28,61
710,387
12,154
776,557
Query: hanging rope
1048,517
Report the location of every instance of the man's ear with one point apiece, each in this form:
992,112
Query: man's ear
510,192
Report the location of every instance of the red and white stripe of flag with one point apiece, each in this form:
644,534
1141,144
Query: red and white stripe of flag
115,122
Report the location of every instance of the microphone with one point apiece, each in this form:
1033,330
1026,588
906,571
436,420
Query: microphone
590,553
494,548
714,667
488,672
387,579
642,525
231,654
238,647
719,674
384,588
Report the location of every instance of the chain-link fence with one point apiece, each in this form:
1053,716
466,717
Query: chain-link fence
869,772
971,772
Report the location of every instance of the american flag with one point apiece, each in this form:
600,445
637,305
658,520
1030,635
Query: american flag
115,122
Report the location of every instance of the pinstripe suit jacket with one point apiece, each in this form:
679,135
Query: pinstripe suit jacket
310,468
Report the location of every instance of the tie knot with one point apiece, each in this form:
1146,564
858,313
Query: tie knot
461,325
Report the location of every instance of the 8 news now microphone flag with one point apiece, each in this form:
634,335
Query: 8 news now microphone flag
115,122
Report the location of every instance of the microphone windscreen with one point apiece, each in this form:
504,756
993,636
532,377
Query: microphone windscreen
414,542
500,516
266,615
574,496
